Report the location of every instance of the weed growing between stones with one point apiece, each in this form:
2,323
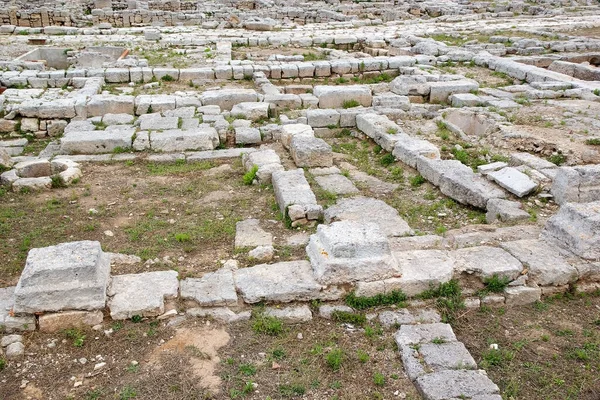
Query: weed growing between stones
449,299
249,176
396,297
349,317
267,325
76,335
350,104
495,283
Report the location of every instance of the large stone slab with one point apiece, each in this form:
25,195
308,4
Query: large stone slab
68,276
348,251
546,265
505,211
368,210
310,151
439,92
421,270
425,333
408,150
434,169
455,384
486,261
267,162
576,227
577,184
141,294
468,188
248,233
335,96
201,138
514,181
379,128
227,98
213,289
280,282
336,184
292,189
288,132
96,142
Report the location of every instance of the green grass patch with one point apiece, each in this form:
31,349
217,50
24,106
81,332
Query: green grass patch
397,297
249,176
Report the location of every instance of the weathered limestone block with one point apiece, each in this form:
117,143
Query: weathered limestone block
33,168
577,184
253,111
335,96
148,104
576,227
56,322
546,265
141,294
434,169
292,130
227,98
348,251
514,181
293,193
291,315
213,289
310,151
248,233
468,188
323,118
440,91
95,142
486,261
505,211
68,276
41,183
454,384
247,135
102,104
267,162
203,138
337,184
379,128
368,210
280,282
408,150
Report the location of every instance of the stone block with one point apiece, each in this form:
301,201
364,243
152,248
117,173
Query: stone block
141,294
227,98
335,96
576,228
467,188
291,130
213,289
486,261
336,184
408,150
203,138
292,315
95,142
505,211
441,91
546,265
425,333
68,276
514,181
247,135
253,111
279,282
578,184
368,210
248,233
323,118
348,251
454,384
292,188
310,151
33,168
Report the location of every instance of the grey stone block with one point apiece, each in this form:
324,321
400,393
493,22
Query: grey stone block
576,227
514,181
545,263
485,262
448,384
425,333
468,188
68,276
368,210
348,251
202,138
505,211
141,294
337,184
280,282
213,289
293,314
310,151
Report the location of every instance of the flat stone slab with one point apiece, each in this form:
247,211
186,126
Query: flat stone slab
368,210
280,282
141,294
468,188
227,98
292,189
425,333
335,96
68,276
421,269
96,142
348,251
403,317
56,322
309,151
505,211
375,185
450,355
576,227
248,233
267,162
201,138
213,289
545,264
455,384
221,314
513,180
486,261
336,184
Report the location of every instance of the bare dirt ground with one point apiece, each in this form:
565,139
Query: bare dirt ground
204,360
547,350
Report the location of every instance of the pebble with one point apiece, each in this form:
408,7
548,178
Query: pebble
300,336
15,349
82,360
9,339
99,365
